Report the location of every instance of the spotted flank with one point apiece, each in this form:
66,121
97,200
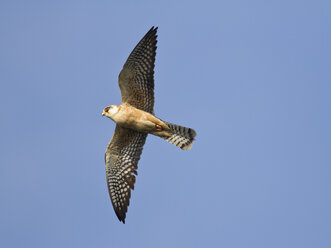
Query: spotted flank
181,137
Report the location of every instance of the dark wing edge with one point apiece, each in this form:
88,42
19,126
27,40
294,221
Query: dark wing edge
121,159
136,80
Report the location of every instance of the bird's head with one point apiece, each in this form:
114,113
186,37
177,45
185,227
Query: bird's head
110,111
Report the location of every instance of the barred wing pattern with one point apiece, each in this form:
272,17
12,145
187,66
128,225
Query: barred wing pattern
121,158
136,80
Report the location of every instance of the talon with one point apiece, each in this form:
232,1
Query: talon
158,127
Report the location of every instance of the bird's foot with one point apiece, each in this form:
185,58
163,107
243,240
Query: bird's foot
158,127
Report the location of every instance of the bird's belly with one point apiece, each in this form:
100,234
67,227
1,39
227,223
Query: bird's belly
137,120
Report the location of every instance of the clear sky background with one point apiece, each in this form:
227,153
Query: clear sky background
253,78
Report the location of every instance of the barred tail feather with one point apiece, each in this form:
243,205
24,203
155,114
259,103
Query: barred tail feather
181,137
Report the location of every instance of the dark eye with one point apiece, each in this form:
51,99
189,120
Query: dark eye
106,109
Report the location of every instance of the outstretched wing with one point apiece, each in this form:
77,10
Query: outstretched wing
121,158
136,80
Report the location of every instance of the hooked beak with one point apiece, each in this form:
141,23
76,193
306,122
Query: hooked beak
103,113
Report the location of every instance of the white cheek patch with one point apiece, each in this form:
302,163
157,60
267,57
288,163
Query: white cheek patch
112,110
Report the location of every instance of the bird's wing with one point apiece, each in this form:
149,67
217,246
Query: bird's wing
136,80
121,158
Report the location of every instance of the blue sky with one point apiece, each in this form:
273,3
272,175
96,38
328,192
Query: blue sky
252,78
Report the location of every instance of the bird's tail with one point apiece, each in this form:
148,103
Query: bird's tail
181,137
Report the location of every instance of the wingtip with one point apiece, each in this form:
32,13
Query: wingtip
153,29
151,34
120,217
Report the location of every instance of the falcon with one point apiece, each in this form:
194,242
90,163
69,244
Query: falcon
134,120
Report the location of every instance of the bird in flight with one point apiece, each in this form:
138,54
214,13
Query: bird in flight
135,119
